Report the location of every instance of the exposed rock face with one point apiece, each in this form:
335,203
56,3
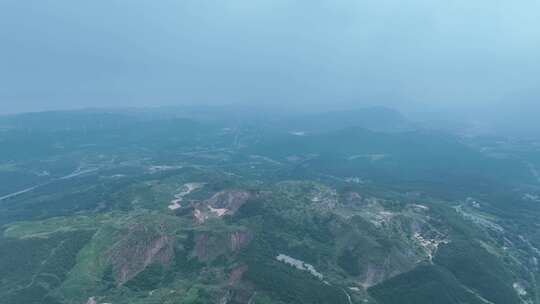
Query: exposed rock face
91,300
141,247
199,217
179,197
231,200
239,240
201,246
223,203
210,245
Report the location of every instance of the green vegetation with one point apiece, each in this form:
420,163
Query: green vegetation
479,270
383,218
424,285
32,268
291,286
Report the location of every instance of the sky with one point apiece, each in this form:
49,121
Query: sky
420,56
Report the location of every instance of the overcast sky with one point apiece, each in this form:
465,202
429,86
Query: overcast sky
413,55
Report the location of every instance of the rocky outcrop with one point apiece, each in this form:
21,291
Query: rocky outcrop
239,240
209,245
140,247
223,203
201,246
91,300
231,200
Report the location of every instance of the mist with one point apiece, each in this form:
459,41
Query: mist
429,59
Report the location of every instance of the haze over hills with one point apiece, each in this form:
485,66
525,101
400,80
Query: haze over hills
269,152
203,205
517,119
471,63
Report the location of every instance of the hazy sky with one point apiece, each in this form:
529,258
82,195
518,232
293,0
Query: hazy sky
408,54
